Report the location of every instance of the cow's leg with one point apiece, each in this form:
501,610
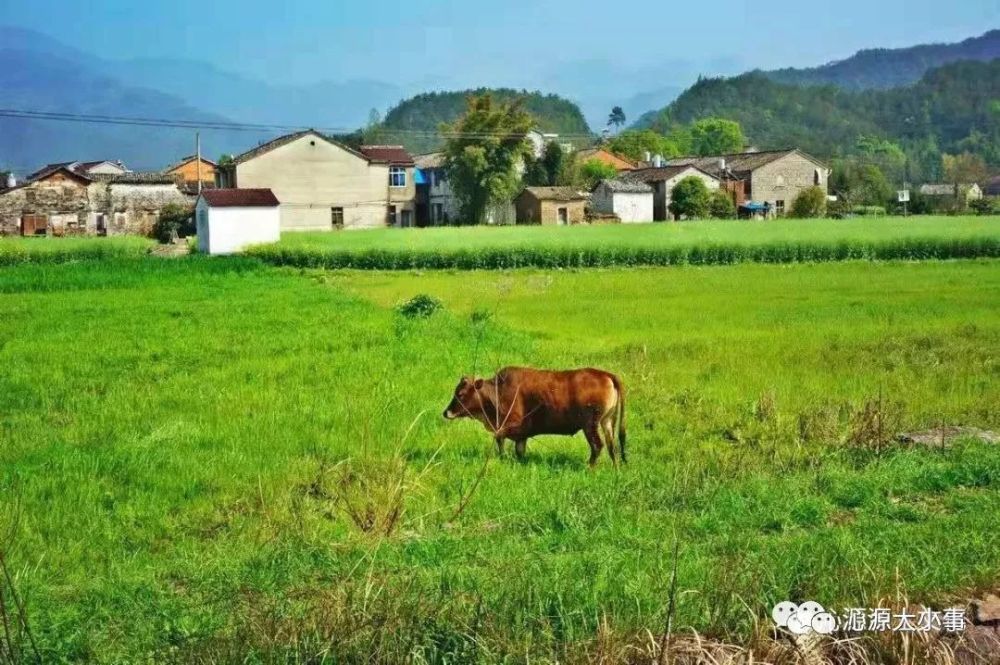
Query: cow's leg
594,439
519,445
609,436
499,440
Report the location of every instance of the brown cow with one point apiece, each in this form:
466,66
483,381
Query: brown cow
520,402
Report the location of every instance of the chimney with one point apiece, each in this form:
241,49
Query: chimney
11,180
658,161
647,156
722,163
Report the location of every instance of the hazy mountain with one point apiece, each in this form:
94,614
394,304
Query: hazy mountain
889,68
328,104
53,83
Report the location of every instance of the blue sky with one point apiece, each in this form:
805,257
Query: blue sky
446,43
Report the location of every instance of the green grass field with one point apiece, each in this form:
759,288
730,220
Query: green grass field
218,460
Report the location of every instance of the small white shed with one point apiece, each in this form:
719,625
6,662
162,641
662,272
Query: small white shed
230,220
630,201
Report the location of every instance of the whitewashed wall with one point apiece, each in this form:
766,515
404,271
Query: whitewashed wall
231,230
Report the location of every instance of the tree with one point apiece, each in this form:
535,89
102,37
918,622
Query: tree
716,136
811,202
225,159
553,159
634,144
858,183
481,157
593,171
964,169
690,198
721,206
616,117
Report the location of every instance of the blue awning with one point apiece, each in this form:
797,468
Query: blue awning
754,206
418,177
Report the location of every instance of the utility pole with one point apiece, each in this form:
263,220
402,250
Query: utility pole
197,145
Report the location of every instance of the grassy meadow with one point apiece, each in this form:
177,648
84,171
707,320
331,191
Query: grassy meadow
217,460
602,245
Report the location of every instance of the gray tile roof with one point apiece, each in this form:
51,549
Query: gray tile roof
626,186
555,193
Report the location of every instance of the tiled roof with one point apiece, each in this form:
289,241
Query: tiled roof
240,198
738,163
937,189
655,174
626,186
606,157
992,187
185,160
434,160
133,178
555,193
395,155
288,138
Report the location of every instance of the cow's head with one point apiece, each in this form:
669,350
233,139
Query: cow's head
467,401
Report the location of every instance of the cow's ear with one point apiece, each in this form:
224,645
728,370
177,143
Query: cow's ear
479,384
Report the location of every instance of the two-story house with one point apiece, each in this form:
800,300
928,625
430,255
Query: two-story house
324,185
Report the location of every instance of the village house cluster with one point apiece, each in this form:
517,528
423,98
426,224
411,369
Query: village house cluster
315,183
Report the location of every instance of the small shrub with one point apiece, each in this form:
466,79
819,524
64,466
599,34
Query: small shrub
175,221
420,306
810,202
721,205
985,206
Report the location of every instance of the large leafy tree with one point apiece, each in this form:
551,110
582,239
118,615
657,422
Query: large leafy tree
690,198
484,148
717,136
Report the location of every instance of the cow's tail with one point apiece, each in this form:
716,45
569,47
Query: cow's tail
620,416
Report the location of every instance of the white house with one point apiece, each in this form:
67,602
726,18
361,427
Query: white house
629,201
230,220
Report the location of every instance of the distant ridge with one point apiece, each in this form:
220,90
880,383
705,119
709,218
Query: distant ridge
881,68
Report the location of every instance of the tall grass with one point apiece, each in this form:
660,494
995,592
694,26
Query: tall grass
221,461
689,243
63,250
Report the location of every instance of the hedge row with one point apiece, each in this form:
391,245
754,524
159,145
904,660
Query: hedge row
913,249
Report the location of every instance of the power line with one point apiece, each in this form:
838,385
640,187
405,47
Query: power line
236,126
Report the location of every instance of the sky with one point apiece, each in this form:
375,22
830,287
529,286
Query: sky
522,43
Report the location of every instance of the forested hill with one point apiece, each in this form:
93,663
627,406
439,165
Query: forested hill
954,108
890,68
426,112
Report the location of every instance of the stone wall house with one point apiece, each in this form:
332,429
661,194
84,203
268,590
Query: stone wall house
324,185
62,201
771,177
663,180
629,201
550,206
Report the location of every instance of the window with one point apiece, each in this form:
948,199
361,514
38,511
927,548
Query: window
392,215
817,178
779,181
397,176
337,217
779,208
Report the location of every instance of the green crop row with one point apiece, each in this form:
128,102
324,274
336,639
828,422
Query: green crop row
906,249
